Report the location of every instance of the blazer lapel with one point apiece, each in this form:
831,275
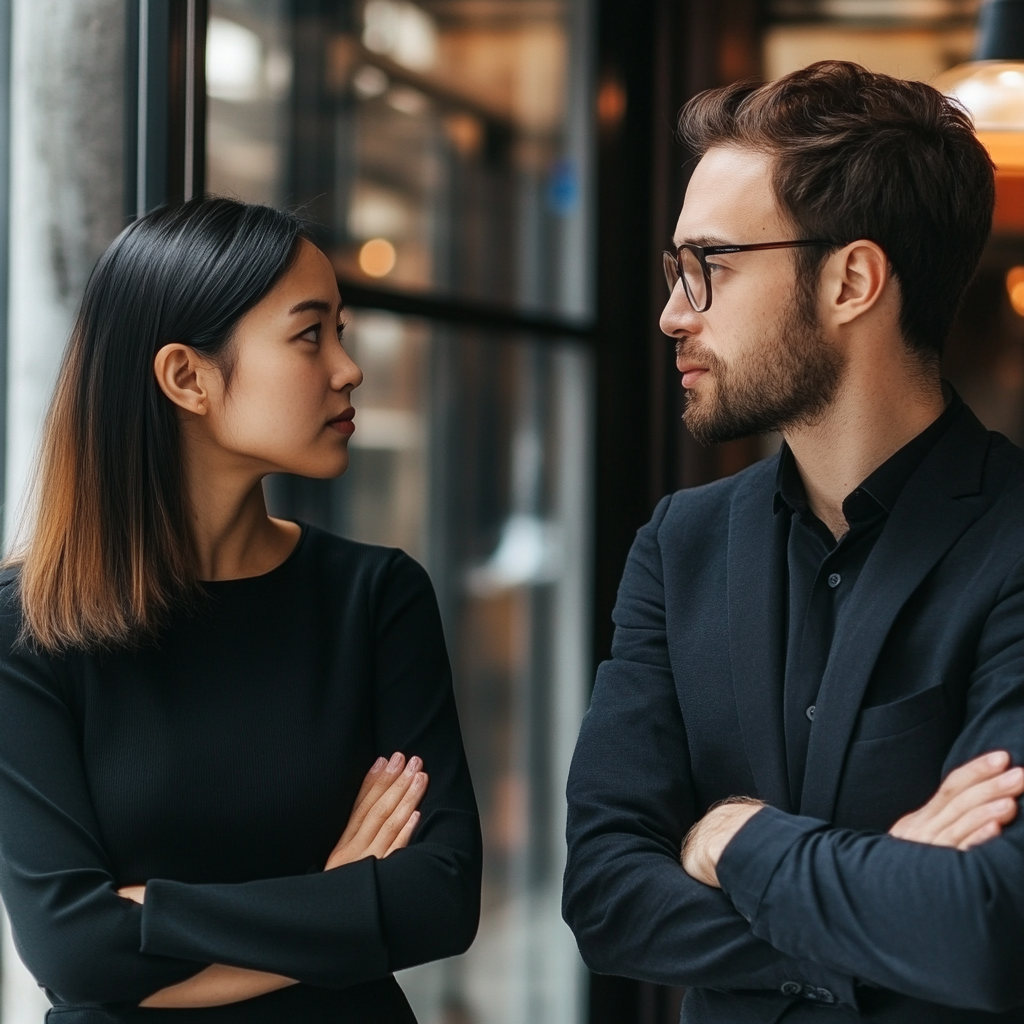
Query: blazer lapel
926,521
756,596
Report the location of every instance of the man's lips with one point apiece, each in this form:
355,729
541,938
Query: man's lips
691,374
343,423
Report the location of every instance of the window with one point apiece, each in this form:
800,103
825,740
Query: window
434,148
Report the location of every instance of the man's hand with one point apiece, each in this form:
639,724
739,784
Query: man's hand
705,842
971,806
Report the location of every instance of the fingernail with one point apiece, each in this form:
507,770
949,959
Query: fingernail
998,757
378,765
414,765
414,817
395,763
421,779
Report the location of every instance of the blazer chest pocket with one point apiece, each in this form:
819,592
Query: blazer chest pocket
901,715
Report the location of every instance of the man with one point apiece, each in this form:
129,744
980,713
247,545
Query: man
822,639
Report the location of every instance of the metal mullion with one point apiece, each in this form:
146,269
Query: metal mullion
487,316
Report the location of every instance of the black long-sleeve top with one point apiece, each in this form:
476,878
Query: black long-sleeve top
219,766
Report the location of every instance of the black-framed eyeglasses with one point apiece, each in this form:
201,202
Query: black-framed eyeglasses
689,263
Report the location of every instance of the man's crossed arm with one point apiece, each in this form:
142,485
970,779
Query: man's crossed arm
971,806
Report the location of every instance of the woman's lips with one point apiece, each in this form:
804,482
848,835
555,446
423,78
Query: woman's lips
343,424
690,377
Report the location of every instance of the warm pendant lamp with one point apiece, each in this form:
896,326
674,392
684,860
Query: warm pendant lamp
991,87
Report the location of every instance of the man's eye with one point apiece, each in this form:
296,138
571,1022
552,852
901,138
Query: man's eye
713,268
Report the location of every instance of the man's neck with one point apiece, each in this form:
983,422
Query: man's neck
859,431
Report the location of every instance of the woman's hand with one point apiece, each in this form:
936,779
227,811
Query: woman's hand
971,806
385,815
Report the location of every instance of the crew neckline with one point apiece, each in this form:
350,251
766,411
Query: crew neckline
279,568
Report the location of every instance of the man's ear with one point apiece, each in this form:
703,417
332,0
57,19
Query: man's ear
183,376
854,280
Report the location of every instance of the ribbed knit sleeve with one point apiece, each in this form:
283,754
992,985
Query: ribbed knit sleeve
363,920
76,935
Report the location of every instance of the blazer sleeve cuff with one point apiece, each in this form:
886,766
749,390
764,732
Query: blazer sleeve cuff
752,856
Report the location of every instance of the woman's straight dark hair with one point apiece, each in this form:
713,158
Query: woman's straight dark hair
110,548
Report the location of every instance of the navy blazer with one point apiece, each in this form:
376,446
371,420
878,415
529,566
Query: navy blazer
821,915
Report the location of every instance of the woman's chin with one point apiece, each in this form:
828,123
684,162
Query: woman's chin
322,469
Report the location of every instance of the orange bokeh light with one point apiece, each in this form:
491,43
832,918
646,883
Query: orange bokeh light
1015,289
377,257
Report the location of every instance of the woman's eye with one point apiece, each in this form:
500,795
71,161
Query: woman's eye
313,334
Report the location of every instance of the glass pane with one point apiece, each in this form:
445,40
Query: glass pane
471,452
439,146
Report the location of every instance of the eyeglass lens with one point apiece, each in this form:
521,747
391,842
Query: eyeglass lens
693,277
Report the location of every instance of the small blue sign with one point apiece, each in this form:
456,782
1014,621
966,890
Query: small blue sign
563,188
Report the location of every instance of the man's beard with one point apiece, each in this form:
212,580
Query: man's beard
788,379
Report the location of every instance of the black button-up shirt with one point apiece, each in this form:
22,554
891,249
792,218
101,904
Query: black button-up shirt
822,573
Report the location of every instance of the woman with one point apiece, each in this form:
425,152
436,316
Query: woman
191,692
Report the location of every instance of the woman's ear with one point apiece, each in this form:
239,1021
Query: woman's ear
859,275
182,375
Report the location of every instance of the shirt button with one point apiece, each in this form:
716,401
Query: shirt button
810,712
835,579
792,988
818,995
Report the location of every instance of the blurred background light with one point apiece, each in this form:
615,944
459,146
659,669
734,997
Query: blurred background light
1015,289
402,31
377,257
234,61
369,82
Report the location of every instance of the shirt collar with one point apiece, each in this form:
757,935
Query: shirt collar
879,491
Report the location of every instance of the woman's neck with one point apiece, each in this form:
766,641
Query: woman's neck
233,534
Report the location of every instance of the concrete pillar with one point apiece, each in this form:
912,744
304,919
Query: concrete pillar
67,127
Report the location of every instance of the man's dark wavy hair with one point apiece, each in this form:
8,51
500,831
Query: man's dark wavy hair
863,155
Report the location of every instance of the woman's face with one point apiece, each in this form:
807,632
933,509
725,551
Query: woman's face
287,404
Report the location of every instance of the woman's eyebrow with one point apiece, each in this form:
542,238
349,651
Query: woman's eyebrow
317,305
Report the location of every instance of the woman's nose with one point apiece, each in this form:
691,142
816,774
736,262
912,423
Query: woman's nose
346,374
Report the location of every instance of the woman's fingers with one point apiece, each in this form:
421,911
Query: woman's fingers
385,804
403,837
392,828
382,775
371,779
387,801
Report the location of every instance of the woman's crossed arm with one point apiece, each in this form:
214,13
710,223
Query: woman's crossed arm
383,820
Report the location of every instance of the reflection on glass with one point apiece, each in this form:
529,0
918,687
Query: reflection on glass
472,454
439,146
248,82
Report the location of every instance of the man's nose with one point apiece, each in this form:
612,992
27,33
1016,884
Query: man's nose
678,319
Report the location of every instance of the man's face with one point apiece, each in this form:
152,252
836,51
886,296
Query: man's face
757,360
